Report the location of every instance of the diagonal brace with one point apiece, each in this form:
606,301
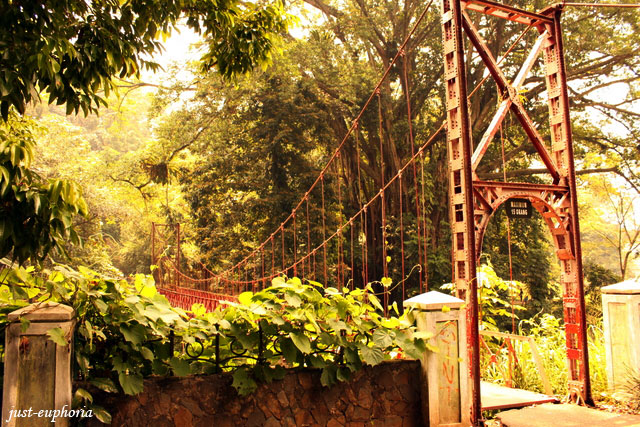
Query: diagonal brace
505,87
506,103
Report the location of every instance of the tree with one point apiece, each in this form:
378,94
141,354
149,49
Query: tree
530,246
339,61
35,214
612,225
73,49
257,150
107,156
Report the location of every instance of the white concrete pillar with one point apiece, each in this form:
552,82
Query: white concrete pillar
37,371
621,311
445,373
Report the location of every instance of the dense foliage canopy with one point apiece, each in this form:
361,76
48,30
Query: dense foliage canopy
262,142
35,214
73,49
73,52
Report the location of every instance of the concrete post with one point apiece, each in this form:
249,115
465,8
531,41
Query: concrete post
621,311
37,371
445,372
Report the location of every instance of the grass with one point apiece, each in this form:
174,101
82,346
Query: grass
548,334
632,389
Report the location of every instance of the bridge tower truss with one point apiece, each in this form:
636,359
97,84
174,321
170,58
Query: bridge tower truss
165,253
473,201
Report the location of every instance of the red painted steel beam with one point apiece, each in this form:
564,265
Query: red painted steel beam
461,208
517,186
501,113
504,11
584,379
506,88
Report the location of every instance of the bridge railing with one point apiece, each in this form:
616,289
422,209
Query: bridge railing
184,298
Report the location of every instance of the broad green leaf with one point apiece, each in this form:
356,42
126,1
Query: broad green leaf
158,367
243,382
132,299
328,376
101,414
394,307
89,329
266,373
413,351
57,336
318,361
153,312
120,365
131,384
312,325
278,281
224,324
375,301
327,338
295,281
101,306
148,291
371,355
301,341
84,395
83,361
5,174
245,298
56,187
198,309
390,323
352,357
37,203
289,350
337,325
180,367
381,338
343,374
293,300
423,335
133,333
147,354
277,372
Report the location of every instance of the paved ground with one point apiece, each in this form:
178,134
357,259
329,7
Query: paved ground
495,396
565,415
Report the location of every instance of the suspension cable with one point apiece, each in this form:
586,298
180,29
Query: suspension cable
504,175
353,129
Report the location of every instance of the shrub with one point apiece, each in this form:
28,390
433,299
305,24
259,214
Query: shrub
127,330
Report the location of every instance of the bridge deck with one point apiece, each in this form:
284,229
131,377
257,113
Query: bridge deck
495,396
565,416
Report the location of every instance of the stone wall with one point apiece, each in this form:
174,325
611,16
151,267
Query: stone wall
384,395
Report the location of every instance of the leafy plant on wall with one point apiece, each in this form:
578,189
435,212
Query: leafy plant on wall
128,331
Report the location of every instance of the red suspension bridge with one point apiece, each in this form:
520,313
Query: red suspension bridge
386,234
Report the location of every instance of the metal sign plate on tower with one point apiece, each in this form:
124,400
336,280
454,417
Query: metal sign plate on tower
518,208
